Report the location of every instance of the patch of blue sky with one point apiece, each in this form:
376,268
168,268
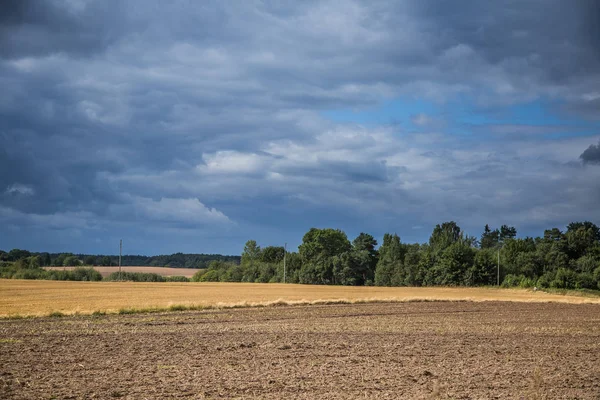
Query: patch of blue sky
396,111
462,116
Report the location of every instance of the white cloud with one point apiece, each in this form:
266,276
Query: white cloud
186,211
20,189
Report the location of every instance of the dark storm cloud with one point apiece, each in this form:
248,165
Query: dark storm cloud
33,28
591,155
124,110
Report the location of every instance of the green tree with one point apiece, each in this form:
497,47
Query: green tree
272,254
45,259
90,260
251,252
35,262
506,233
444,236
483,271
453,265
317,250
71,261
414,275
18,254
389,267
581,238
320,244
489,238
105,261
365,245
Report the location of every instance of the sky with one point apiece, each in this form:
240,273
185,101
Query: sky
193,126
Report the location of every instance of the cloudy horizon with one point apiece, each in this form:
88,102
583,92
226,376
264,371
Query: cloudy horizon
196,126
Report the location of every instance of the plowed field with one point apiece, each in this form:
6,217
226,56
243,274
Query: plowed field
423,350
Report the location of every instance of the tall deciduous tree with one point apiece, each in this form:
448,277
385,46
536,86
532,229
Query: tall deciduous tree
444,235
251,252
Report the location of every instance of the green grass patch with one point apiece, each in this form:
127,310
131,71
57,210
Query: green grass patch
573,292
10,341
56,314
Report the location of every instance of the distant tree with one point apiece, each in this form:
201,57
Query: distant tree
484,267
71,261
35,261
489,238
389,266
272,254
90,260
45,259
553,234
59,261
444,235
506,233
251,252
320,244
587,226
453,264
365,244
18,254
582,238
106,261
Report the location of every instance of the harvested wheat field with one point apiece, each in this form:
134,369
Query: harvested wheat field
163,271
22,297
417,350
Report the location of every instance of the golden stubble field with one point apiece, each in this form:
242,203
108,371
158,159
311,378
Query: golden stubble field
163,271
21,297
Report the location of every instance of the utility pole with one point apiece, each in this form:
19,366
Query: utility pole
120,252
284,254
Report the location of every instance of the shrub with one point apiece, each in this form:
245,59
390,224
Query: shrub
511,280
84,274
176,279
198,275
526,282
210,276
135,277
545,280
585,281
564,279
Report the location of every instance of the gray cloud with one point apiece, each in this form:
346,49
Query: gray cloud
113,112
33,28
591,155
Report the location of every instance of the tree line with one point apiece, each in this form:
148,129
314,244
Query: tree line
565,260
568,259
177,260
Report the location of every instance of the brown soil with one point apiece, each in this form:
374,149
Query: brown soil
455,350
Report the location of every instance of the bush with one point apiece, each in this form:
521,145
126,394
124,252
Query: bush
585,281
545,280
176,279
26,273
198,275
564,279
135,277
526,282
85,274
209,276
511,280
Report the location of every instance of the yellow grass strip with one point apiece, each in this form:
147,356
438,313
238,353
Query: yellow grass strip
163,271
35,298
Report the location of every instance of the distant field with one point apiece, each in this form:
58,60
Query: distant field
42,297
164,271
